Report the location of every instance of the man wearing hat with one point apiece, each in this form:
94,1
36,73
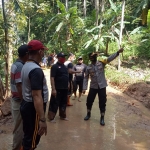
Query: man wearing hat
59,82
16,91
35,97
78,78
98,83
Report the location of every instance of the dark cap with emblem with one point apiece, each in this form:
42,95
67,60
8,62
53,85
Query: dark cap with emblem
93,54
80,58
61,54
22,50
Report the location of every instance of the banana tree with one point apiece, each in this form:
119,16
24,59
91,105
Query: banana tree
100,35
67,24
143,8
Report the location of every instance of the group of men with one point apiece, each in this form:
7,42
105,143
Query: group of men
29,96
30,92
62,81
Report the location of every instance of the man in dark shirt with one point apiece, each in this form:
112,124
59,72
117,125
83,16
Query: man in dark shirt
78,78
59,83
35,97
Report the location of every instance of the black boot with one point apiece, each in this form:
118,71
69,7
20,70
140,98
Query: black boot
102,121
88,116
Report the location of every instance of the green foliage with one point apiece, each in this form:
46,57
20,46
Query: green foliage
118,78
62,30
2,66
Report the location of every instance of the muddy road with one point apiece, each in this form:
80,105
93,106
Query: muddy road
127,127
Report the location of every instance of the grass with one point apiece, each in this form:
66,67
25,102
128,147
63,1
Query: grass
118,78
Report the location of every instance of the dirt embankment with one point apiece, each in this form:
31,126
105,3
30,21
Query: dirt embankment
139,91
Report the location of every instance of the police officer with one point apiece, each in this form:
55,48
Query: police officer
98,83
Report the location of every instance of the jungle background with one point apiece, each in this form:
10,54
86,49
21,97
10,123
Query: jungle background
81,27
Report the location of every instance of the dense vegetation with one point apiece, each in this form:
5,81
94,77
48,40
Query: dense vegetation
79,26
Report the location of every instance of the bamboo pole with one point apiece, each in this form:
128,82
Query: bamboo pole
121,29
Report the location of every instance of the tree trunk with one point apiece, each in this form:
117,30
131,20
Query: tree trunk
66,5
2,91
29,30
7,53
121,29
107,45
84,8
102,10
144,16
97,11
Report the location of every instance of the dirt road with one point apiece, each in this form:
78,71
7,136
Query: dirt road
127,127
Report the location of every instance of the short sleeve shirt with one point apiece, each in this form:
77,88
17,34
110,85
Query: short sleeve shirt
82,68
15,77
60,74
34,76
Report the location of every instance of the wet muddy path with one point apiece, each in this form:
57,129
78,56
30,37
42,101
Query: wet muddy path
127,127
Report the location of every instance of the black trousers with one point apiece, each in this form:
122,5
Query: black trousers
30,125
70,89
102,98
76,84
59,102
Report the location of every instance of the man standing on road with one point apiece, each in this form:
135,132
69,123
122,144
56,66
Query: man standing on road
59,83
71,71
78,78
16,91
35,97
98,83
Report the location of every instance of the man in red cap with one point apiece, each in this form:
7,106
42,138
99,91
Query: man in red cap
35,97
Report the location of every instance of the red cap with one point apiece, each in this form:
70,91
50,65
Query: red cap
35,45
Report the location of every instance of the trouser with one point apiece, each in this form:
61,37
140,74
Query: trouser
70,89
17,124
76,84
30,125
60,101
102,98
